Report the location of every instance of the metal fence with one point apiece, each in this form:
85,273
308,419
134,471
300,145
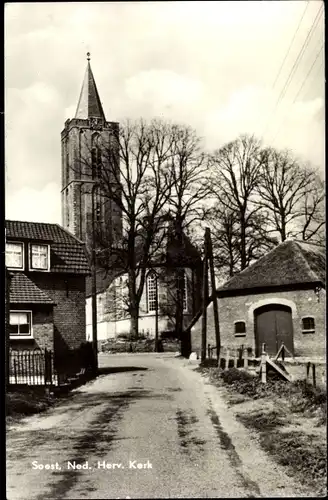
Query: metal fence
32,367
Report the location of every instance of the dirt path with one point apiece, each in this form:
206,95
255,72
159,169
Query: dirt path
149,410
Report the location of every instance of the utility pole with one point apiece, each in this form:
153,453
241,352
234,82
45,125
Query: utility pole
94,280
7,316
214,297
205,300
156,313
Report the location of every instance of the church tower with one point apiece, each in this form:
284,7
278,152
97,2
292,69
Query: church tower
88,141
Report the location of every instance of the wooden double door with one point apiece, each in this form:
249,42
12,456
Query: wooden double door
273,325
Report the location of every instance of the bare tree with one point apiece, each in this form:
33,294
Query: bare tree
291,195
236,172
133,176
187,200
312,213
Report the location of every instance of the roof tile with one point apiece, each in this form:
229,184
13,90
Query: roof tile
24,291
290,263
67,254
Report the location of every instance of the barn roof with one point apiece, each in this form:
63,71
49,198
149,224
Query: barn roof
290,263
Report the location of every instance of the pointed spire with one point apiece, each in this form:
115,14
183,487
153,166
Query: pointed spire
89,105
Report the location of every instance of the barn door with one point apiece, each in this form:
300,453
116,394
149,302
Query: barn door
273,325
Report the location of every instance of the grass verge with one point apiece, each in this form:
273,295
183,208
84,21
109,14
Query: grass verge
21,404
290,419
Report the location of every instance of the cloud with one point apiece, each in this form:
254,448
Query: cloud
211,65
30,204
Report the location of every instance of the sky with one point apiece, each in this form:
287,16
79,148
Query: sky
224,68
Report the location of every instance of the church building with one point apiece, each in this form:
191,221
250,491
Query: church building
85,139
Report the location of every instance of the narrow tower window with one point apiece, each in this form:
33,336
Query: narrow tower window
96,162
67,208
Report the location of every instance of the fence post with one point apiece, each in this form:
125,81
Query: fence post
235,358
209,352
307,370
263,365
227,359
219,357
246,358
313,375
15,369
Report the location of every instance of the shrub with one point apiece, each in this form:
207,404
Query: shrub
209,363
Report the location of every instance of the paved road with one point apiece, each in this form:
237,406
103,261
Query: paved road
149,427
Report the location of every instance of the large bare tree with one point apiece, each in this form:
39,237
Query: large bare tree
292,195
235,175
133,175
188,196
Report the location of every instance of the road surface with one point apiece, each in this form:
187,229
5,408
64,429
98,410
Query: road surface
148,427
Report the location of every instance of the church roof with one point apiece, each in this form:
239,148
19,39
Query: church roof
290,263
89,105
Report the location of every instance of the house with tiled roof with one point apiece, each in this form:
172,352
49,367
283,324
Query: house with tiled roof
48,267
280,298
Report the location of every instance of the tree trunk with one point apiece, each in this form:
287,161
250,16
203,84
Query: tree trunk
243,256
283,229
179,303
134,323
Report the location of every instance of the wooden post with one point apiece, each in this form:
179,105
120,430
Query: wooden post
283,352
263,365
235,358
313,375
227,359
214,297
15,370
219,360
307,370
246,358
205,300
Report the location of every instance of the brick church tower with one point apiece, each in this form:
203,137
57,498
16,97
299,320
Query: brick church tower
88,141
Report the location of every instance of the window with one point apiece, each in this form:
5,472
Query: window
67,208
184,290
151,292
39,257
96,162
308,325
15,255
20,324
98,211
67,162
240,328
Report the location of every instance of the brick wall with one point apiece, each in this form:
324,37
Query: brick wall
68,292
231,309
42,326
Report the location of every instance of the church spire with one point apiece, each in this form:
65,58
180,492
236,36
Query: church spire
89,105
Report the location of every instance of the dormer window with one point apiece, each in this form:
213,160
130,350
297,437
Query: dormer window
15,256
39,257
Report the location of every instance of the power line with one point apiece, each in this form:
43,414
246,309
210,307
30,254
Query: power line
300,89
290,45
308,73
316,73
297,61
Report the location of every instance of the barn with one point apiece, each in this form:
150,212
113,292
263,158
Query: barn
280,298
